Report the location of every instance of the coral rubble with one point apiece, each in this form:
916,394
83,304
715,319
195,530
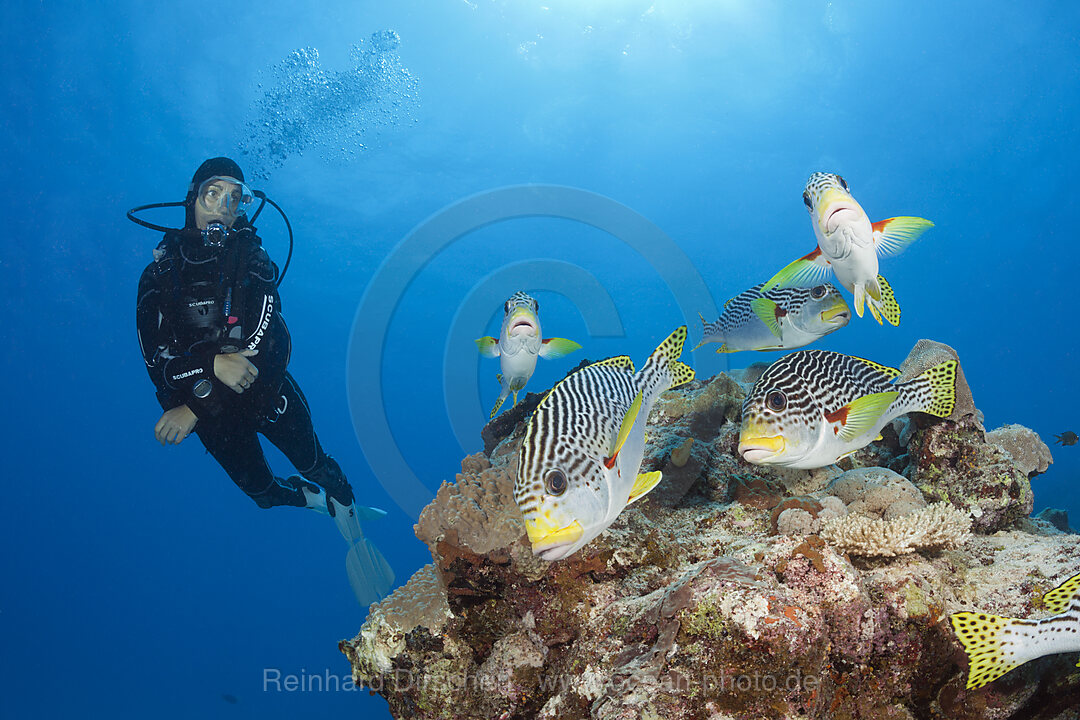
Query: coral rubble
734,591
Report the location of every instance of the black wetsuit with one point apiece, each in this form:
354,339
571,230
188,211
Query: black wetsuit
196,302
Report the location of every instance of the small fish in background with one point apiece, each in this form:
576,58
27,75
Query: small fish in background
1066,438
519,344
231,699
849,245
995,645
813,407
781,319
579,460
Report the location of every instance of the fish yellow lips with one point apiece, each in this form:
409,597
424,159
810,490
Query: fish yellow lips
544,536
836,311
757,449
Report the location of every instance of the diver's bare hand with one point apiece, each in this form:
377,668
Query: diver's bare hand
175,425
235,370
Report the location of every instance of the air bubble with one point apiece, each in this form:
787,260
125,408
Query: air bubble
309,108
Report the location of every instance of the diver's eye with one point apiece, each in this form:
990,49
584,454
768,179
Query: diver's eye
817,292
776,401
806,201
555,482
843,182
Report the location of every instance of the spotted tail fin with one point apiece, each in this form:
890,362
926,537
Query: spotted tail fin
663,370
1063,596
934,391
990,645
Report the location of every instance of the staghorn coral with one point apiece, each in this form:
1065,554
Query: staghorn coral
937,527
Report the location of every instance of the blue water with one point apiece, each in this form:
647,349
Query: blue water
139,581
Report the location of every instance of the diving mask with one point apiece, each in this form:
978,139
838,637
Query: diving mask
224,196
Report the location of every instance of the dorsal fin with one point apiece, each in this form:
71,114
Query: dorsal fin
889,372
622,362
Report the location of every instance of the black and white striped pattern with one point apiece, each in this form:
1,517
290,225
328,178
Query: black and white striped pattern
573,428
819,382
737,311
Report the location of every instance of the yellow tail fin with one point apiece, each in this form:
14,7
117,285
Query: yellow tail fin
672,347
981,635
1058,600
942,379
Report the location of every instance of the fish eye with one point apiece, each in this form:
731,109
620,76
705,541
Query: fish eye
776,401
843,183
506,306
817,292
555,482
536,306
806,200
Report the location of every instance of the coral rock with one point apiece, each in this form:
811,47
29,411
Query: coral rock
1056,517
479,507
1027,450
925,355
689,608
952,462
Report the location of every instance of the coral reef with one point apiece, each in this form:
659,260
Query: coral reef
733,591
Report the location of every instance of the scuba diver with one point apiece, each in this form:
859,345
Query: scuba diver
217,348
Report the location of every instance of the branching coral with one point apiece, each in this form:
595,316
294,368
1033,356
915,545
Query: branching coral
937,527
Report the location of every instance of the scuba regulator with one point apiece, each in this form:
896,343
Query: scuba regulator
216,231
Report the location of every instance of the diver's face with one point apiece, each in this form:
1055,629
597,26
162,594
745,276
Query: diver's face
218,202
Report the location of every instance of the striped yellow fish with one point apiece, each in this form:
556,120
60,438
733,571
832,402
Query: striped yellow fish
579,460
813,407
849,245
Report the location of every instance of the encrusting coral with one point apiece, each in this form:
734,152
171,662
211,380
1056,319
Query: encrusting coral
732,591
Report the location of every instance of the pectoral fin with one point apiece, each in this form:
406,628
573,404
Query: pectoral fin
769,313
859,415
892,236
555,348
807,271
489,346
624,430
643,484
